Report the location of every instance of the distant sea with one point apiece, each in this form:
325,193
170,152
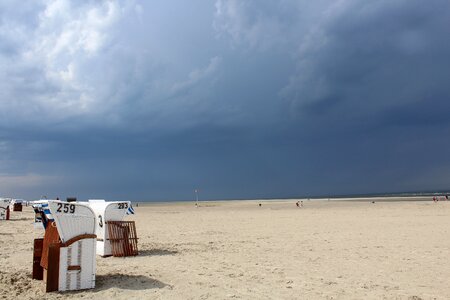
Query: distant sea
316,197
377,195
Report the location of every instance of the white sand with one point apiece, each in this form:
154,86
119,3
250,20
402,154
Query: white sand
328,249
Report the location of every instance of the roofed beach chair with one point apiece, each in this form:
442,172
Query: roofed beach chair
114,236
65,257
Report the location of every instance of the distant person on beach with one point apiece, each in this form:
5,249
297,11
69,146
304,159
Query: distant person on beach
301,204
434,198
297,203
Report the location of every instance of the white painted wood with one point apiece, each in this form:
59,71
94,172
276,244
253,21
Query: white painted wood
80,253
72,219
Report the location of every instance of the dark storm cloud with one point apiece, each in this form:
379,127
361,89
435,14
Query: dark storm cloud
372,58
378,83
240,99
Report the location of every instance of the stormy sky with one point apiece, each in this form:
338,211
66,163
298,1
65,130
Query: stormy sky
240,99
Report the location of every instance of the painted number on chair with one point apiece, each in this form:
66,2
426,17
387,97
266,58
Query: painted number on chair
65,208
123,205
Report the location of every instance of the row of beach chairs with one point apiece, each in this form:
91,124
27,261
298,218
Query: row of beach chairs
65,257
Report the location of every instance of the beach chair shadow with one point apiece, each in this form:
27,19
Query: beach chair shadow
157,252
20,219
6,234
127,282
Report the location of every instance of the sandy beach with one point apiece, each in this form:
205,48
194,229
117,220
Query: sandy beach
236,249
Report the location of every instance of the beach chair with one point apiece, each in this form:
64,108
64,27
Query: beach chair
17,204
4,208
65,257
114,236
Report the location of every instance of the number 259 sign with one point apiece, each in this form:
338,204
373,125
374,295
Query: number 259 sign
66,208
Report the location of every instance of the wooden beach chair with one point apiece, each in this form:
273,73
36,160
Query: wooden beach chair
114,236
66,254
4,208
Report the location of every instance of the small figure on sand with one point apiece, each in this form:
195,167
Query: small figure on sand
259,204
297,203
434,199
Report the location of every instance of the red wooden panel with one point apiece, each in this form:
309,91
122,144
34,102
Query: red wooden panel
52,283
38,271
51,236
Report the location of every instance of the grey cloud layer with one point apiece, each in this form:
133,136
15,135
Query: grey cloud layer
80,62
